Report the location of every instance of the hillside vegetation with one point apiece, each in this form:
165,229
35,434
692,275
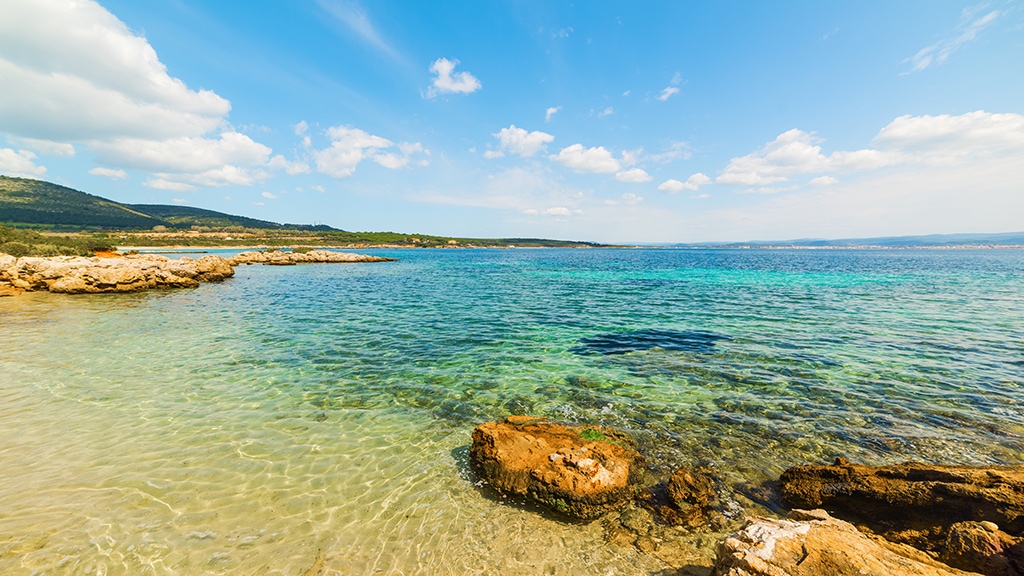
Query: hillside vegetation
51,208
26,201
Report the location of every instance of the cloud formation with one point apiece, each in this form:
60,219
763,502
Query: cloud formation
448,81
587,160
971,24
515,140
928,140
692,183
551,112
20,164
109,173
667,93
84,77
633,175
796,152
350,146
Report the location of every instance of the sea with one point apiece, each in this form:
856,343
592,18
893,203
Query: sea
316,419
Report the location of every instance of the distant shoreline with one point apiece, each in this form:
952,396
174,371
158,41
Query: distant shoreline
183,248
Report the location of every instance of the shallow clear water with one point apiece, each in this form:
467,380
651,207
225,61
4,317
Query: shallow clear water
318,417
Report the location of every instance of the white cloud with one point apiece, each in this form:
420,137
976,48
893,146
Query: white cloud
943,138
823,181
796,152
606,112
318,188
701,196
595,160
258,204
450,82
630,157
300,128
551,112
179,201
944,174
668,93
350,146
50,148
161,184
492,154
228,160
291,167
394,161
83,77
518,141
557,211
109,173
692,183
677,79
20,164
929,140
268,195
967,30
633,175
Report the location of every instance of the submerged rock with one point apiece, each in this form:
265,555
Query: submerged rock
651,338
277,258
811,543
132,273
577,471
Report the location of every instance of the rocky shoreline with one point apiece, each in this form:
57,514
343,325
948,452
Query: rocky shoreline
135,272
843,519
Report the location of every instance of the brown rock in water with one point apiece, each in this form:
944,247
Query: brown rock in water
811,543
911,495
952,511
278,258
980,547
79,275
694,499
581,472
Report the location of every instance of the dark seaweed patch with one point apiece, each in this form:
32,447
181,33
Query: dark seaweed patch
622,342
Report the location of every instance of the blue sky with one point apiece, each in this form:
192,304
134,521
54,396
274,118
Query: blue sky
606,121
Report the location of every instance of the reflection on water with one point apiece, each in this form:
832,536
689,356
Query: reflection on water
316,418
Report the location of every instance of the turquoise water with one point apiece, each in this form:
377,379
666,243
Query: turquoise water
308,417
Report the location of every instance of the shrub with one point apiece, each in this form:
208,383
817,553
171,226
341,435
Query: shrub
16,249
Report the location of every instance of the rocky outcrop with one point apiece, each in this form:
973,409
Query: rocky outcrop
278,258
970,517
132,273
911,502
811,543
576,471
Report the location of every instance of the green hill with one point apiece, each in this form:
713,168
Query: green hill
186,217
35,202
53,209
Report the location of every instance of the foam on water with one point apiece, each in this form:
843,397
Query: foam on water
318,417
